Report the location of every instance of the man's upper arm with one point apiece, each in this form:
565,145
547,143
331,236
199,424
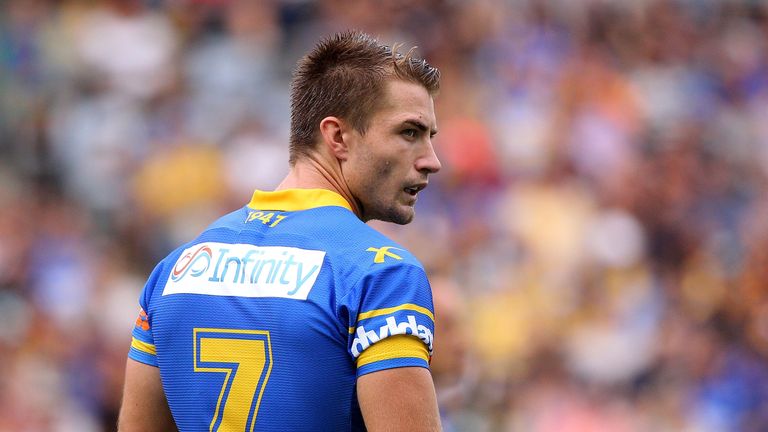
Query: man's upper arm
401,399
144,407
391,325
390,318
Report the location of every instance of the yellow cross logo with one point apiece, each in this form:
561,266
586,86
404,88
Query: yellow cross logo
383,252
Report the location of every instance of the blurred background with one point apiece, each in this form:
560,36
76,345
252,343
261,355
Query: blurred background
597,239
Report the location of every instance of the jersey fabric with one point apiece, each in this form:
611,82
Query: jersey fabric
265,321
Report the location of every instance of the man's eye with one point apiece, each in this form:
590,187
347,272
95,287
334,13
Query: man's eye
410,133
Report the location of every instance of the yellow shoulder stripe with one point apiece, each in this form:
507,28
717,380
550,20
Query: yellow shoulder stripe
143,346
393,347
387,311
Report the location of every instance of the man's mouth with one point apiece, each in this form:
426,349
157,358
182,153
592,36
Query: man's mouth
413,190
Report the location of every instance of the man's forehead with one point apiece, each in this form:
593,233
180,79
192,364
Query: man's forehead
397,90
404,101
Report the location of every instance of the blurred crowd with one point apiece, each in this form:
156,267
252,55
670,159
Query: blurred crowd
597,239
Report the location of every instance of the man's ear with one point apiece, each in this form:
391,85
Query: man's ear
334,137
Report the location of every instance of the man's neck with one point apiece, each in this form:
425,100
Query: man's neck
311,172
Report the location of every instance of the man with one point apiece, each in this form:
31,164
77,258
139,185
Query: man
291,313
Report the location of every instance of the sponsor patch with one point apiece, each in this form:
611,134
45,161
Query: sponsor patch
245,270
391,327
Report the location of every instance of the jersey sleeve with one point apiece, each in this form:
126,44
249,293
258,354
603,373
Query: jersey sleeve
391,319
142,341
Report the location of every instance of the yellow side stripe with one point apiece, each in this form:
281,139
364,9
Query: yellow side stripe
143,346
393,347
387,311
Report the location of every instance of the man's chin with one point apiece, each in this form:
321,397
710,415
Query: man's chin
403,216
404,221
400,216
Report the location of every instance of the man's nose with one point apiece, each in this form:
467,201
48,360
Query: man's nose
429,162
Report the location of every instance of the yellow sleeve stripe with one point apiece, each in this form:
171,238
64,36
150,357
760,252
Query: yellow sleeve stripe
143,346
387,311
393,347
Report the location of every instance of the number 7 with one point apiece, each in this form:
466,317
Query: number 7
245,357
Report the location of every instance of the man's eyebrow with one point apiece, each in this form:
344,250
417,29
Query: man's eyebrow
420,126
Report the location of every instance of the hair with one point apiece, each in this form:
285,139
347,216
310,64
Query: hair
344,76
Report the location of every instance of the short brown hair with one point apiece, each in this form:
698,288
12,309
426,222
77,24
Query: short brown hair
344,76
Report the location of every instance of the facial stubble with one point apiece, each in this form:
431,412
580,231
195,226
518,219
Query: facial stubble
381,207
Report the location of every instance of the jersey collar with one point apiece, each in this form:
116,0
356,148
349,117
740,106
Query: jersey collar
296,199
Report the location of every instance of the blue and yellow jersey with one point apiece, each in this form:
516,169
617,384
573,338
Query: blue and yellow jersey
265,321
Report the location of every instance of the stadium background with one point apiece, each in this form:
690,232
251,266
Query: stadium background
598,237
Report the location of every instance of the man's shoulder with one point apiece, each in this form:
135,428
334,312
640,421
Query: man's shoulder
369,249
